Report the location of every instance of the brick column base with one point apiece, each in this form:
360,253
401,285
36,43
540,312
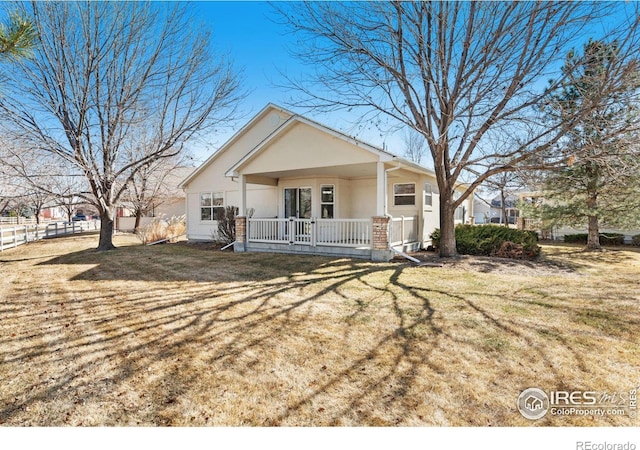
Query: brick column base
241,234
380,239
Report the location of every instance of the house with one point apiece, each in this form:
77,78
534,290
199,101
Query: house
310,189
165,199
534,199
481,210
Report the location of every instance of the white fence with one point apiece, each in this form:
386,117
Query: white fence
127,224
21,221
313,232
403,230
13,236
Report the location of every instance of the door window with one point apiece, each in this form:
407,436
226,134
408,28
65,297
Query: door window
297,202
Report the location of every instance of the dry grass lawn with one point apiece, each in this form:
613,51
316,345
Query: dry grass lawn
188,336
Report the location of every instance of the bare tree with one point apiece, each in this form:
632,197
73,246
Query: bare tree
152,185
415,147
469,76
102,70
505,184
40,180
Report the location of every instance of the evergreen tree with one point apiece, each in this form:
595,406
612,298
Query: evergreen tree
16,37
599,184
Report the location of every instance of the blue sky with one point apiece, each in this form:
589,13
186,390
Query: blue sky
257,45
247,31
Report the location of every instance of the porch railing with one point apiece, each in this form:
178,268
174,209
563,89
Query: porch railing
313,232
403,230
344,232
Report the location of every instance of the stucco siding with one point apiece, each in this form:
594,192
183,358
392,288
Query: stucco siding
363,197
261,198
302,147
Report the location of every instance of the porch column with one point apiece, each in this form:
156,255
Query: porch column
242,207
241,234
381,181
380,239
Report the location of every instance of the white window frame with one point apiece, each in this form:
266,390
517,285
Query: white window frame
332,203
428,194
395,196
213,195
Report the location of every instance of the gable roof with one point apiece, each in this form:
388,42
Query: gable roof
286,125
297,119
261,114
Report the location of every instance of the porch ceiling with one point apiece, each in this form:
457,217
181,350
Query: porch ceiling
343,171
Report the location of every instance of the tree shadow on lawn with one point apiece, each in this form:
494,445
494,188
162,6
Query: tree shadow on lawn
255,339
576,256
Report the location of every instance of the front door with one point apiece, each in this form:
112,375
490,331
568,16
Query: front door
297,203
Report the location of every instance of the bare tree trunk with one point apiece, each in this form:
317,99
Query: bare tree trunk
503,205
136,226
106,231
447,228
593,238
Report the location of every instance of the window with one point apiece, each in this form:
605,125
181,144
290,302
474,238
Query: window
461,211
404,194
460,214
327,201
211,205
428,195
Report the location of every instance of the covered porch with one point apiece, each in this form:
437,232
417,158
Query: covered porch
330,199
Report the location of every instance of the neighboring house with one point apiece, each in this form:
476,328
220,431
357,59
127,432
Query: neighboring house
172,201
312,189
512,210
481,210
168,201
558,232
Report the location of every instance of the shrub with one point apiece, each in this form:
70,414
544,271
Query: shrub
161,229
435,238
578,238
635,240
611,239
227,224
605,239
491,240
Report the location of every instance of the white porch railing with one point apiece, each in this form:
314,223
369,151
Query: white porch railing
344,232
313,232
403,230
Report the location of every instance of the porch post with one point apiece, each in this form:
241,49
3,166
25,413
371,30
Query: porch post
242,211
380,189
